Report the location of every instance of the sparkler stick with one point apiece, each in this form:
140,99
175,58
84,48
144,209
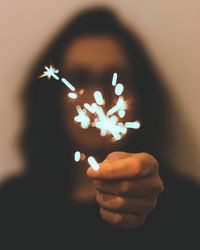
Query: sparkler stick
94,114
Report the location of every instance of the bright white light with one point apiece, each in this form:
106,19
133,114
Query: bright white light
119,105
119,89
82,118
122,128
121,113
72,95
93,163
50,72
68,84
98,97
89,108
114,79
94,115
77,156
134,125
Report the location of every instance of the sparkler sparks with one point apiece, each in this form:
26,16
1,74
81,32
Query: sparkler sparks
120,105
72,95
119,89
68,84
93,163
98,97
108,124
82,117
114,80
50,72
94,115
77,156
134,125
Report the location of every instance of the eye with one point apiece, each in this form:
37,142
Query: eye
80,77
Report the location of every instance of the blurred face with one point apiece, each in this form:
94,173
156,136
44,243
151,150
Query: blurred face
89,64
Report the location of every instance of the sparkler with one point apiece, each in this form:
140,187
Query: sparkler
51,72
77,156
93,163
94,115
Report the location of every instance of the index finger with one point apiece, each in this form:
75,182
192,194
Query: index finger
135,165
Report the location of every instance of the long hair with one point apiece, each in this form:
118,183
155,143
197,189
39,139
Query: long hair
47,149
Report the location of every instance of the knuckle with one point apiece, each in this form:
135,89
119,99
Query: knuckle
112,155
152,158
140,220
115,203
117,219
117,155
156,163
124,188
137,166
160,186
157,186
152,205
120,202
97,197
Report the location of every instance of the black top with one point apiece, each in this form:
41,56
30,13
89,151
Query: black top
36,217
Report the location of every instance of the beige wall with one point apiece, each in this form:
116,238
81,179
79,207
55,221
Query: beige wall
170,30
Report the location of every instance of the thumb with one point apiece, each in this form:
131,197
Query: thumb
117,155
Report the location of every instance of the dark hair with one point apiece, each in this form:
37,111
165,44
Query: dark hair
45,146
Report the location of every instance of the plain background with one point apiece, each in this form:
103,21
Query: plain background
170,31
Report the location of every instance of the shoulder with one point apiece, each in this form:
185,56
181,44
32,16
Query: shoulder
13,191
180,199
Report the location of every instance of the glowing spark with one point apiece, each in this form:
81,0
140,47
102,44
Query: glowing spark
99,111
81,91
82,118
93,163
114,79
122,128
121,113
68,84
107,123
89,108
77,156
82,156
72,95
119,105
50,72
98,97
119,89
134,125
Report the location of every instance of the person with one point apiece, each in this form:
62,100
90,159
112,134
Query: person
135,200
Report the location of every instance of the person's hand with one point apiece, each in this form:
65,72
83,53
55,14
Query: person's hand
128,186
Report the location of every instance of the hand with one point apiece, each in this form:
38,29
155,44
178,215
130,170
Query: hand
128,186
